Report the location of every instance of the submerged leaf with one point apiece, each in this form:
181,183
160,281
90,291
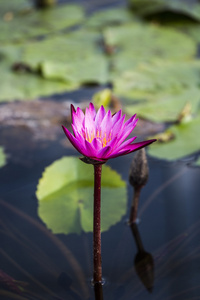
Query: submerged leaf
65,194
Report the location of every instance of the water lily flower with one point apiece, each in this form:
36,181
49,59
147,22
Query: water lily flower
100,135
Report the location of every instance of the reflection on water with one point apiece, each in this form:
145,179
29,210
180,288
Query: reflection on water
48,266
144,263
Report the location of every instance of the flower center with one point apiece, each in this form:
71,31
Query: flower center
103,138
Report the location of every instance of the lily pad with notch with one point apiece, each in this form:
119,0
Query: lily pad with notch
65,196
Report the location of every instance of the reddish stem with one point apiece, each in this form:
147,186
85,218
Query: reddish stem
97,225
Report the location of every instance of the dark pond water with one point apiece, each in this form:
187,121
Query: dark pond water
60,266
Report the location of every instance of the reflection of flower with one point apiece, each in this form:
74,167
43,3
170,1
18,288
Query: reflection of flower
101,136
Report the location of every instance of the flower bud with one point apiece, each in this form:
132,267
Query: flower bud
139,170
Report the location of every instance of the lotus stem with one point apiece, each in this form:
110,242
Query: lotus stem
97,275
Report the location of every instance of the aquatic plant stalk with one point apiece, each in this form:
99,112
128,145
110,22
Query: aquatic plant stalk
97,272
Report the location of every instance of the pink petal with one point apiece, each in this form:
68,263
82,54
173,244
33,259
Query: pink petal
73,112
116,117
124,145
112,143
116,130
90,151
104,152
106,125
79,115
74,141
89,123
77,126
131,148
97,145
125,132
92,110
130,120
113,155
99,116
137,146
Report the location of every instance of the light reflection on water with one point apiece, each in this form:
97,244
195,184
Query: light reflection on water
60,267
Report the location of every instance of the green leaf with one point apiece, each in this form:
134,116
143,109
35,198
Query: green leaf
2,157
160,90
69,58
147,8
165,107
185,142
13,7
32,23
24,86
65,194
113,16
138,43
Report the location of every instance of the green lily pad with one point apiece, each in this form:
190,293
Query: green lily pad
13,7
185,142
2,157
31,23
193,31
156,8
65,194
69,58
24,86
138,43
159,92
113,16
165,107
159,77
65,61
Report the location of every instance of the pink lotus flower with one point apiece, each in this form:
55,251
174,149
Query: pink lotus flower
101,135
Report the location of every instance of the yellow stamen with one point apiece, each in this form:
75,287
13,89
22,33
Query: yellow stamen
103,139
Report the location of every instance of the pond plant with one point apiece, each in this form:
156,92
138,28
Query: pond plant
99,136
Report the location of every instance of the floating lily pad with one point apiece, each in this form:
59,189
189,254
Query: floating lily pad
158,92
138,43
71,58
65,61
2,157
65,194
13,7
165,107
159,77
28,23
113,16
158,8
185,142
24,86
